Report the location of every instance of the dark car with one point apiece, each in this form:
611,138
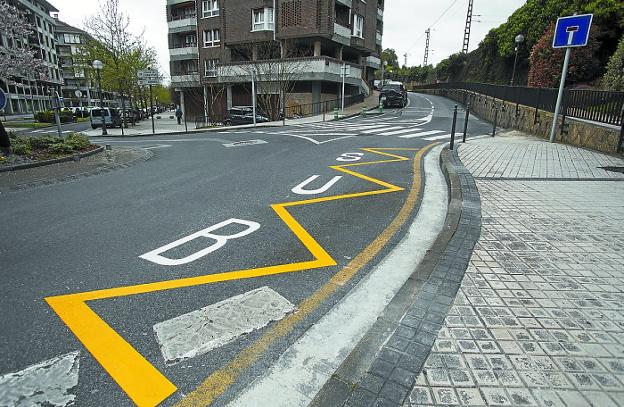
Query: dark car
243,115
393,94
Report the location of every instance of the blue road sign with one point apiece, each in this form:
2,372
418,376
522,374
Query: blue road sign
3,99
572,31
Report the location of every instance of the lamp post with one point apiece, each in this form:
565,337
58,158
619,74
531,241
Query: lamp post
519,40
98,66
383,72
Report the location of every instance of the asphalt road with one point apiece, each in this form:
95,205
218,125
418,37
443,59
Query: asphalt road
87,235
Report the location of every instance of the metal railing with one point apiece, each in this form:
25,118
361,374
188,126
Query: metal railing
314,109
595,105
291,112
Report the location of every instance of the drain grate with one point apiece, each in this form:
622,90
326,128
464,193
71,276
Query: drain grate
613,169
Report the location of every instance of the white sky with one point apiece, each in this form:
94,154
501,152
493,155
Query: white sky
404,24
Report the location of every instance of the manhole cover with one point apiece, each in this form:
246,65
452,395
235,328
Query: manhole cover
613,169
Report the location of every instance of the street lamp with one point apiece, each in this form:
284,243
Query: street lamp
519,40
98,66
383,72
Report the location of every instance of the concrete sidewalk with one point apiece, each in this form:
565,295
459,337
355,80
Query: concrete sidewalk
539,316
167,124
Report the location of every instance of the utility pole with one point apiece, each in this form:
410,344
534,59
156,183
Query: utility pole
405,63
428,32
468,26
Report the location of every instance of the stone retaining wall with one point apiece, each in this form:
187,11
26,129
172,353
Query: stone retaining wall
526,119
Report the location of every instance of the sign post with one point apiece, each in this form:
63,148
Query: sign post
571,32
344,71
149,77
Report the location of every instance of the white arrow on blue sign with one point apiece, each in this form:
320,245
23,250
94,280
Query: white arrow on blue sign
3,99
572,31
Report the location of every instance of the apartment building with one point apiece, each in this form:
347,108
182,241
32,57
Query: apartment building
77,89
217,45
30,94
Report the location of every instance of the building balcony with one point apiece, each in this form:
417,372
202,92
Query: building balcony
182,24
378,38
181,52
174,2
342,34
348,3
373,62
379,14
185,79
295,69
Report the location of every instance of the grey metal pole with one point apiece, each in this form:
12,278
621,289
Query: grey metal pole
253,96
564,74
57,111
453,128
152,109
513,73
99,78
344,74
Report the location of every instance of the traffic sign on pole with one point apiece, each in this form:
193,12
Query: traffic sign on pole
147,74
572,31
3,99
146,82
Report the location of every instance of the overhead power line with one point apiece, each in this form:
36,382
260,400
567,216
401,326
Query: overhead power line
433,24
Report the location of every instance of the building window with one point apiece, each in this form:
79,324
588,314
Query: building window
210,8
210,68
262,19
190,40
71,39
358,26
212,38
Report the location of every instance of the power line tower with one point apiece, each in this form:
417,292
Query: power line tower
428,32
468,26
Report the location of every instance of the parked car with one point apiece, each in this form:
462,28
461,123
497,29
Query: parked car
393,94
243,115
112,118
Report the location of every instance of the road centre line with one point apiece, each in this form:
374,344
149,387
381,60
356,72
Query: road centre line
142,382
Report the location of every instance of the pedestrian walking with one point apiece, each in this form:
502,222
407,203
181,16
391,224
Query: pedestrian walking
178,114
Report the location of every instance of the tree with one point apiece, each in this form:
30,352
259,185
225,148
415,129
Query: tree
614,77
546,62
389,55
16,61
275,76
122,53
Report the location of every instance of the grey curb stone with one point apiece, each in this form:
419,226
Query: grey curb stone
404,342
74,157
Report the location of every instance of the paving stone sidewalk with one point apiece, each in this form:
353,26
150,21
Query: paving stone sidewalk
539,316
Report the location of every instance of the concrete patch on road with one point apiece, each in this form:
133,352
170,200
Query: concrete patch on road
201,331
245,143
44,384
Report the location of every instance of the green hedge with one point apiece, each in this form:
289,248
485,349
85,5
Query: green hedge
49,146
47,116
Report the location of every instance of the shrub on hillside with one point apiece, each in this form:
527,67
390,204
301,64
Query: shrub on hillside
546,62
614,77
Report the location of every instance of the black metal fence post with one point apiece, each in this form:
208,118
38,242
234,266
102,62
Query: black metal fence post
619,146
453,128
495,120
466,122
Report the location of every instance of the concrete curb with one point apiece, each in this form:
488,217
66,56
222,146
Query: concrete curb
75,157
383,367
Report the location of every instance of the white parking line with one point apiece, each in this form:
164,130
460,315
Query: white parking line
426,133
201,331
46,383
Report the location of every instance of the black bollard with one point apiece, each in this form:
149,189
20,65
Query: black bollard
495,121
453,129
466,122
